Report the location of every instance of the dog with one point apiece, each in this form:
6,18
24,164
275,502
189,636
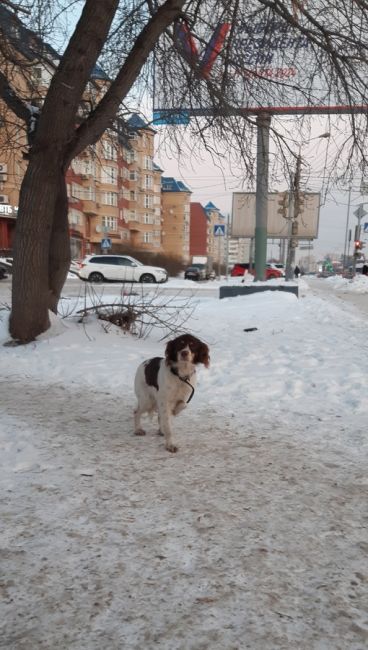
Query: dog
166,385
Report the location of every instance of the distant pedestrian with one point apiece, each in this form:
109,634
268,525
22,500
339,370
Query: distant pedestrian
365,269
297,271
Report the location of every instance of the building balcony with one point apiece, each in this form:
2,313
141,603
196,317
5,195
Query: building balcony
90,208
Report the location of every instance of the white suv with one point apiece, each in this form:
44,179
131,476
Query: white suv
121,268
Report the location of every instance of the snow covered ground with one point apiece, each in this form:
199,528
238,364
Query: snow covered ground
254,535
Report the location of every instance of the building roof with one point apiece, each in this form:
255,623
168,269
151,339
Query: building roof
28,43
136,122
170,184
211,206
22,39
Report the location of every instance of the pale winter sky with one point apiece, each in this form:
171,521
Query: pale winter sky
211,183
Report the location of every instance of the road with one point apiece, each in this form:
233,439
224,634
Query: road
75,287
322,287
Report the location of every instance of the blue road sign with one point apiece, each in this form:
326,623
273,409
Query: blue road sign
106,242
171,117
365,227
219,230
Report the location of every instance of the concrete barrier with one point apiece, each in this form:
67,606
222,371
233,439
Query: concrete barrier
237,290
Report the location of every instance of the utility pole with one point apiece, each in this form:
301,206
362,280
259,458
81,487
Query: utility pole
227,245
347,230
359,213
295,208
263,141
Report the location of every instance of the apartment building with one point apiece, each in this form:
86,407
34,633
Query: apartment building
199,230
113,187
216,244
115,192
144,188
175,218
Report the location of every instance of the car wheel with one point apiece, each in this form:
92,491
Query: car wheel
96,277
147,277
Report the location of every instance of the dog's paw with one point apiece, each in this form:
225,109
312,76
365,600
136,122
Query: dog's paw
172,448
140,432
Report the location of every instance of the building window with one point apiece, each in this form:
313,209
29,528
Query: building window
74,218
133,176
109,175
132,196
147,237
147,218
111,223
84,193
109,198
148,181
148,201
109,151
148,162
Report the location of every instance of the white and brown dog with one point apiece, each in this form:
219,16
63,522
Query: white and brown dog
167,385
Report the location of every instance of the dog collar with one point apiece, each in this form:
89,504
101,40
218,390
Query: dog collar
184,379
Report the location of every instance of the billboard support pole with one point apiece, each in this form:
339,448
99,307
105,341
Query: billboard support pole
263,139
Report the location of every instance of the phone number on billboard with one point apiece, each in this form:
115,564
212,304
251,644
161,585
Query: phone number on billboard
270,73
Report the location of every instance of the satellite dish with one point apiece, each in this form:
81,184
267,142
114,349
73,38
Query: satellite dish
98,228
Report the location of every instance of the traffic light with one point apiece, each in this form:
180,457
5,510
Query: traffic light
283,202
358,245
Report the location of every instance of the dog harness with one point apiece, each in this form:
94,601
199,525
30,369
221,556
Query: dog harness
185,380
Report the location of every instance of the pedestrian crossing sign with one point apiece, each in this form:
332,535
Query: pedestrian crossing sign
219,230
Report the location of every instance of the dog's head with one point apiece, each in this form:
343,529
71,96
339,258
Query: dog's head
187,348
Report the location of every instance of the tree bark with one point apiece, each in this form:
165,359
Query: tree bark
59,250
31,298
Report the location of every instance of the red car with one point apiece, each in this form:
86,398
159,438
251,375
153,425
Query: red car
241,268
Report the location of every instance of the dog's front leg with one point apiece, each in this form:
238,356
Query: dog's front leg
179,407
165,427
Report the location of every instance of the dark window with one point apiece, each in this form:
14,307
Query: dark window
123,261
103,259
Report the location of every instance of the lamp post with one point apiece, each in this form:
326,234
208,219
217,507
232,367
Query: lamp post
295,208
346,230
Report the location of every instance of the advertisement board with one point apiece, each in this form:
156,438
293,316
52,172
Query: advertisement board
278,227
262,62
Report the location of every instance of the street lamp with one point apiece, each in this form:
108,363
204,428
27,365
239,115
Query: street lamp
295,208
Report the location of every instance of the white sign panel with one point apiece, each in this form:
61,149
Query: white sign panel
263,62
244,216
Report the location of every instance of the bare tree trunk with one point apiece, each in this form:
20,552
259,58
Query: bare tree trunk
40,192
59,253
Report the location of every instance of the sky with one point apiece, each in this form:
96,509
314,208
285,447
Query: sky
255,530
210,182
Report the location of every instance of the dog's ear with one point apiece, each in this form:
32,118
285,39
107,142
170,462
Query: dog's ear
170,351
203,355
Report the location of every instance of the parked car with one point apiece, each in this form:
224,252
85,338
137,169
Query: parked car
75,266
121,268
242,267
6,267
277,266
196,272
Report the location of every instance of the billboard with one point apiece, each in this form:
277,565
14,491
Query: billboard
261,62
278,227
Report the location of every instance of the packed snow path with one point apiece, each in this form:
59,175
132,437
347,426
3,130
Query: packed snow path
253,536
